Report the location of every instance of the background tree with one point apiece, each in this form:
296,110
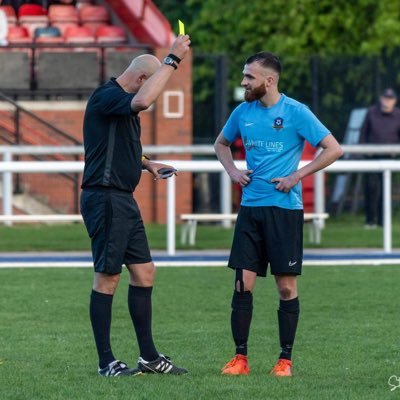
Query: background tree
349,47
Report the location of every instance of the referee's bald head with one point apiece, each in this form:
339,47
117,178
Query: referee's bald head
139,70
145,63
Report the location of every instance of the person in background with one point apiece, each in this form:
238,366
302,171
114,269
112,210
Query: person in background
381,126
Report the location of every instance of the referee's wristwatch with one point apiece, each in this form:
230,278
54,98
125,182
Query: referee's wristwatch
172,60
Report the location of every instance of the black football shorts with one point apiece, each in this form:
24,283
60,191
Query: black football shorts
268,235
115,227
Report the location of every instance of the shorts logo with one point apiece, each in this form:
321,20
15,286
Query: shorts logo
292,263
278,123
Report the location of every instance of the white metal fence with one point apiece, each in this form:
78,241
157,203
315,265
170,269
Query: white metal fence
386,167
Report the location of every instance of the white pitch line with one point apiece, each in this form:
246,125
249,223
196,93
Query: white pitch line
75,264
177,264
39,264
382,261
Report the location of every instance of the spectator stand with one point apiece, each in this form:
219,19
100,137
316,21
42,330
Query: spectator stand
47,41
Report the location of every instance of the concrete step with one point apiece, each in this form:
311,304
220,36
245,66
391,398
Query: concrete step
28,204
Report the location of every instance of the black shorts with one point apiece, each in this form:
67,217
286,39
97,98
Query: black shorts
115,227
268,235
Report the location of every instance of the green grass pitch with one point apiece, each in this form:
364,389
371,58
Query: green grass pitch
346,348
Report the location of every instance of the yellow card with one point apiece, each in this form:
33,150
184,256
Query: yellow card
181,27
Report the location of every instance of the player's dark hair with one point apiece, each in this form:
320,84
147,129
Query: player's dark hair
267,60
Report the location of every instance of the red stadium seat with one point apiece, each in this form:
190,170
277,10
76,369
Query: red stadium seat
31,10
78,34
93,26
18,34
32,16
10,14
111,34
49,39
93,13
63,13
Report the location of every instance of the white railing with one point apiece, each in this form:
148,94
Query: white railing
9,151
387,167
185,149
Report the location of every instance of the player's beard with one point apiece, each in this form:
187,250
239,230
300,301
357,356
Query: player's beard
255,94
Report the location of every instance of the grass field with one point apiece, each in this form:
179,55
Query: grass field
346,231
347,344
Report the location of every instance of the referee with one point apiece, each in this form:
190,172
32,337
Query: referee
269,227
113,166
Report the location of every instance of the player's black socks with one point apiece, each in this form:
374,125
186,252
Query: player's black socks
242,312
139,303
100,316
288,316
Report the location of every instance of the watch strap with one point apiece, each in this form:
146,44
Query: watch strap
174,57
170,62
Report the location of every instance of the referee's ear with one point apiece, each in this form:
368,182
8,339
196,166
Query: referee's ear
141,79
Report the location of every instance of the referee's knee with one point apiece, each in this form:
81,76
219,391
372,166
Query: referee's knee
142,274
287,292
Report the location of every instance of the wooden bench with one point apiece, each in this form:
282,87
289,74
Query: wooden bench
189,227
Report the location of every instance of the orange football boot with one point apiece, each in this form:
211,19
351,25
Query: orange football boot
282,368
237,366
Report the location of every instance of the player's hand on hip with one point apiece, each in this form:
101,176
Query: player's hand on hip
241,177
180,46
287,182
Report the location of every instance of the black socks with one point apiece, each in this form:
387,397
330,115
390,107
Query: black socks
288,316
100,316
139,303
242,312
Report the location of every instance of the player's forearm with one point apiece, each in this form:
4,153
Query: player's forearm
152,88
325,158
224,155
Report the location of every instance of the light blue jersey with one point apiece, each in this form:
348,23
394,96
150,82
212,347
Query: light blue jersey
274,139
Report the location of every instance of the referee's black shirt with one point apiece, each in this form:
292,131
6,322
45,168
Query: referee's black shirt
111,137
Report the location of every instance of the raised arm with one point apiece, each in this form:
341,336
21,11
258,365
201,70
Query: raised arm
154,85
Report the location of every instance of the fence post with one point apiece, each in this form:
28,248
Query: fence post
387,210
226,197
17,142
319,194
7,189
171,216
